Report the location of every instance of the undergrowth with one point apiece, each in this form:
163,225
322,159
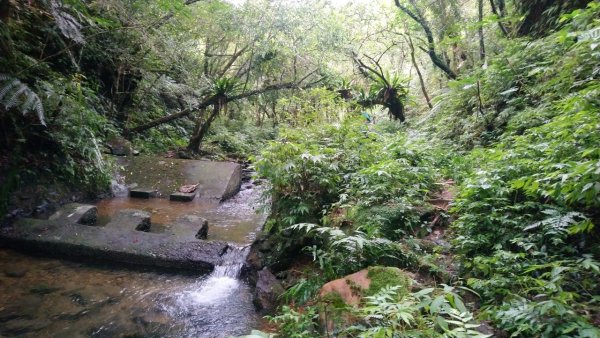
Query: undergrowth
520,136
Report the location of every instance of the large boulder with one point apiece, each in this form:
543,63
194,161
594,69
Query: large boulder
120,147
350,289
338,296
268,289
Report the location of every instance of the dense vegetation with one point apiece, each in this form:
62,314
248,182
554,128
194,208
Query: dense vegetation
498,107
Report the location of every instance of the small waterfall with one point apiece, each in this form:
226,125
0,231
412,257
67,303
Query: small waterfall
232,263
223,282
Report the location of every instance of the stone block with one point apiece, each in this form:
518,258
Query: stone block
76,213
120,146
142,193
189,226
131,219
235,182
182,196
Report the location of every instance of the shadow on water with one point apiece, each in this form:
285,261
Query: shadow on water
45,297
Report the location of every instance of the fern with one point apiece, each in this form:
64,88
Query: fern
14,93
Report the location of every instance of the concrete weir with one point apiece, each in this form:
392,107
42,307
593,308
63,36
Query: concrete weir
130,235
115,244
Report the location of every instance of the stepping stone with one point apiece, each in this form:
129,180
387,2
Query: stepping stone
76,213
182,196
190,226
142,193
131,219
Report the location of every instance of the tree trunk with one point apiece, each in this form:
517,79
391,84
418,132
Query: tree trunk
414,62
169,118
435,58
396,109
480,32
500,16
212,100
202,126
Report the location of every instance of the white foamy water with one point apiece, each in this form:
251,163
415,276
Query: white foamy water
213,291
222,283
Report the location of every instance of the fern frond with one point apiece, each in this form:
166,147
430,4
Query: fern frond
8,87
14,93
14,99
28,105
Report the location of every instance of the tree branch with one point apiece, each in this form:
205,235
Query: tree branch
500,24
171,14
373,74
437,61
213,100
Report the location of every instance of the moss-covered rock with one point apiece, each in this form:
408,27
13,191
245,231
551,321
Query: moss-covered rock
353,288
383,276
337,297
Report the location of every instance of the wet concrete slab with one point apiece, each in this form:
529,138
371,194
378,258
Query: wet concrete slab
156,232
76,213
216,180
130,219
188,226
114,244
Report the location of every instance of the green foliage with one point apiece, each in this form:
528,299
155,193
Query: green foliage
339,254
308,169
225,86
318,170
393,88
238,138
430,312
76,127
519,87
540,296
296,324
14,93
527,212
382,276
312,106
304,290
42,75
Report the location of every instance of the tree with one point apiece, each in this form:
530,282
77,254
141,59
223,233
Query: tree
386,90
540,17
417,16
244,51
480,31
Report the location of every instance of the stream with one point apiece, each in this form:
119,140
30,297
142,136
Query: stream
46,297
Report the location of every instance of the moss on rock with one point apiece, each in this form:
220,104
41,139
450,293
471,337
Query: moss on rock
383,276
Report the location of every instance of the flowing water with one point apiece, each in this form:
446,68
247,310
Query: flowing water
43,297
